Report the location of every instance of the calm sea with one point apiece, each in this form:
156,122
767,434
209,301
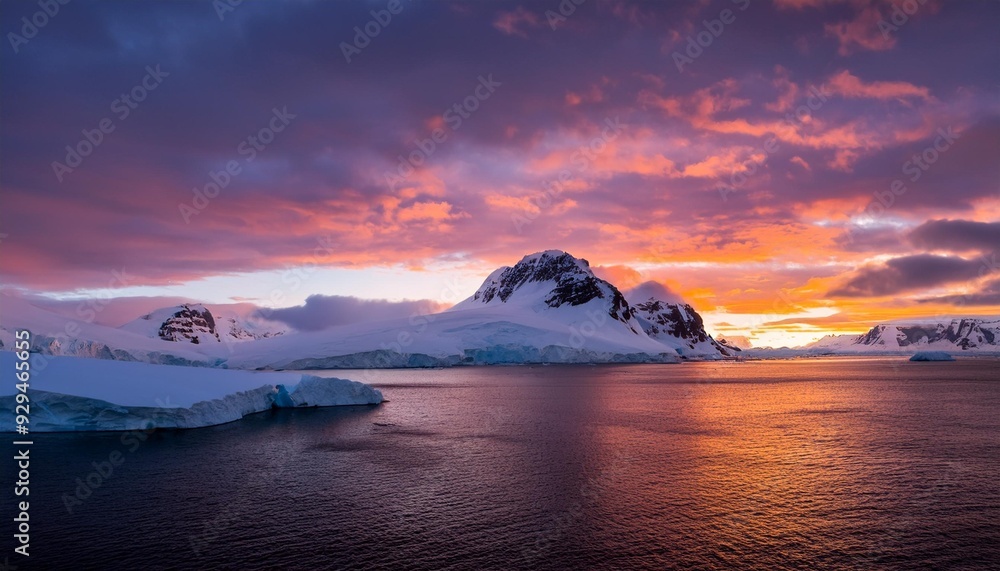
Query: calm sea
821,464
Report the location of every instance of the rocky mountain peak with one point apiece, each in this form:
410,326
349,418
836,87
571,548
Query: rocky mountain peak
663,315
558,278
191,323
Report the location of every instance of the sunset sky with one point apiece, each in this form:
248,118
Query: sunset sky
754,173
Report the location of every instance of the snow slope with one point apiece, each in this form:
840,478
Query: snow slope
58,335
74,394
548,308
467,337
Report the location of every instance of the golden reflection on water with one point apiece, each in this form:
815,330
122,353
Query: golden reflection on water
762,456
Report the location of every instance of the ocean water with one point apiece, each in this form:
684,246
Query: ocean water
820,464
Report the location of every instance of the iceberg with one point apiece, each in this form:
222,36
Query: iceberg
79,394
931,356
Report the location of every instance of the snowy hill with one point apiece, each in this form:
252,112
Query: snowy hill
666,318
56,334
198,324
978,335
547,308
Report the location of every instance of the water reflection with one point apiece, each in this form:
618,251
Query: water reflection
840,464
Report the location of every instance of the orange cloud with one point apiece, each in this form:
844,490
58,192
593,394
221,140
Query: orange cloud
801,162
508,202
624,277
426,211
788,92
843,160
725,164
593,94
705,108
847,85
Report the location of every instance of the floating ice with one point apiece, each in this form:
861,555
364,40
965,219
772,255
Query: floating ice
931,356
77,394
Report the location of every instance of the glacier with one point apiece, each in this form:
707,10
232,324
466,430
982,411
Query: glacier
80,394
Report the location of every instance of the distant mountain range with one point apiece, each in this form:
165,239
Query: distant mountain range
969,335
550,307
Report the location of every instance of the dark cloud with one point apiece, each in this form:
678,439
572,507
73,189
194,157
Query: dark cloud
909,273
323,311
887,240
956,235
988,295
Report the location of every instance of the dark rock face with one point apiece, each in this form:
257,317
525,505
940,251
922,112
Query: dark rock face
874,336
187,324
667,318
575,283
680,321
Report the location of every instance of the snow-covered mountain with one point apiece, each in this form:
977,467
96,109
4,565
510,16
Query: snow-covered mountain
56,334
548,308
192,323
550,280
198,324
978,335
665,317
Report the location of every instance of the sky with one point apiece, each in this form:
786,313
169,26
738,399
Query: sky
792,168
